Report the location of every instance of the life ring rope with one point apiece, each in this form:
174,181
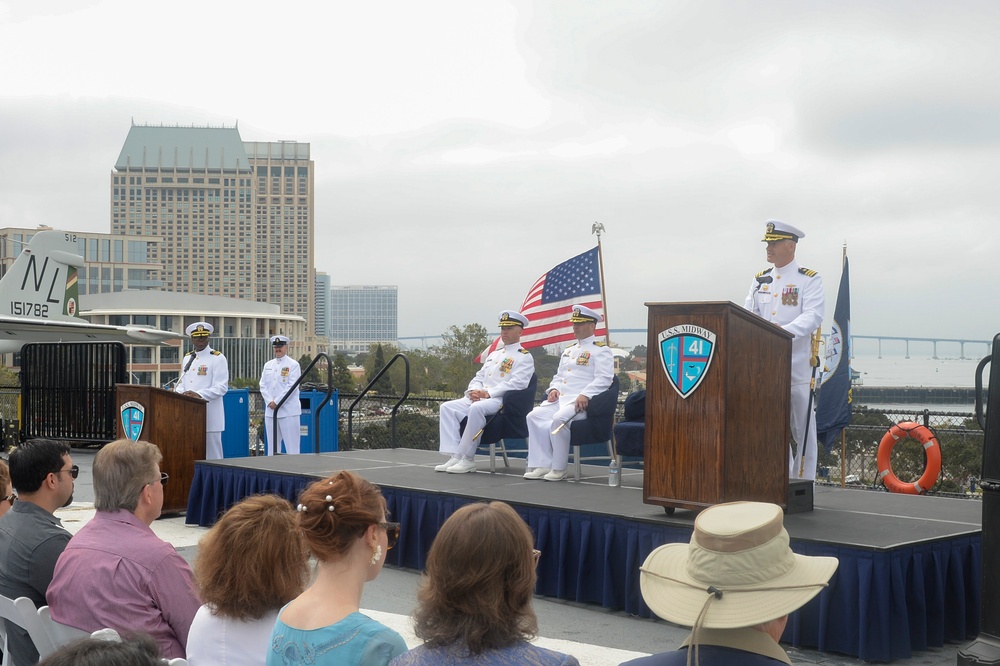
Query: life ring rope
932,450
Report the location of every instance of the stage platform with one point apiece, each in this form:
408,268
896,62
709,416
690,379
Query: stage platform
910,567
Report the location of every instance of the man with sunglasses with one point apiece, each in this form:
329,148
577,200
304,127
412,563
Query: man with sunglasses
115,572
31,537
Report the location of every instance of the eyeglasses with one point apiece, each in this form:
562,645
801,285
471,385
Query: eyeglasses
74,471
535,554
391,533
9,498
163,479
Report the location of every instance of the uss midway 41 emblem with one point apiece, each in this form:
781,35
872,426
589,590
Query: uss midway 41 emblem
133,418
686,353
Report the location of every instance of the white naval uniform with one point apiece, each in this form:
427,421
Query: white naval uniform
278,376
208,376
506,369
585,368
794,300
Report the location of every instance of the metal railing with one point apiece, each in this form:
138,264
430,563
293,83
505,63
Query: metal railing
349,441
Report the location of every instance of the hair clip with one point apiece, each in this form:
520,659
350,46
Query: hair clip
301,507
331,507
329,498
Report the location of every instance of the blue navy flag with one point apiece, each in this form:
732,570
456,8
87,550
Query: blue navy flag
833,408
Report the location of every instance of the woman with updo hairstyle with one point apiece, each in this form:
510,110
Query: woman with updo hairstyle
250,564
343,522
474,604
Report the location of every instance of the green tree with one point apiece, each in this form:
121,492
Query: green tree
458,352
314,374
384,384
624,383
639,350
546,366
343,381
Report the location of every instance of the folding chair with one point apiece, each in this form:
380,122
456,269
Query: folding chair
630,433
59,634
21,611
596,428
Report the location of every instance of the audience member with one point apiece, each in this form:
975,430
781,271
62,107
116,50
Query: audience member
735,585
8,497
137,650
115,572
475,600
249,565
31,537
343,520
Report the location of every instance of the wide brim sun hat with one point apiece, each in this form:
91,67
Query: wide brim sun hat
737,571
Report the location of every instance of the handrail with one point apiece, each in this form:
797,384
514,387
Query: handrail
366,389
329,391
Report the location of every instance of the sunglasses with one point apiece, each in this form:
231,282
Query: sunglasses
391,533
163,479
9,498
74,471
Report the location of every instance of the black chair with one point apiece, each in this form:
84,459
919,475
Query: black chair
596,428
630,433
508,423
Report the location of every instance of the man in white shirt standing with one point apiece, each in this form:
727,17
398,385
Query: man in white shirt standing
509,368
792,297
205,375
277,379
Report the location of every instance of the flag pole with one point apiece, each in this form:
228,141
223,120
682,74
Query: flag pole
843,433
598,229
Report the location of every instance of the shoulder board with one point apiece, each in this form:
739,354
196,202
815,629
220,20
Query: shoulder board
764,272
191,353
216,352
600,343
808,272
523,350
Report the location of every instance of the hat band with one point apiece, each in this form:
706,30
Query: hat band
200,334
756,565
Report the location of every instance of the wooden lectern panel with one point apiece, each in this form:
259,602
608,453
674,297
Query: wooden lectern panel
175,423
728,439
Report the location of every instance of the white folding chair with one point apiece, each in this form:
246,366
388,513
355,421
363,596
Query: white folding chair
59,634
21,611
178,661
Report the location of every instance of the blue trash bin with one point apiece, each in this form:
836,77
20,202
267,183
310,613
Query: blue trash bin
311,400
236,436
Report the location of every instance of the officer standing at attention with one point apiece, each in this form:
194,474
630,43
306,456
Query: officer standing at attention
508,368
205,375
792,297
279,374
586,368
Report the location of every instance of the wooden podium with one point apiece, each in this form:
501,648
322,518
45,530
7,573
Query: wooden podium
727,440
176,424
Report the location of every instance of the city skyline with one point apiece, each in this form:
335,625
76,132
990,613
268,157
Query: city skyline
462,149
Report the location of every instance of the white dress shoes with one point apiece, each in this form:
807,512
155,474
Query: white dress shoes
555,475
537,473
444,466
462,467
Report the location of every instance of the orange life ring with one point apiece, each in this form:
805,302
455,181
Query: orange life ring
932,449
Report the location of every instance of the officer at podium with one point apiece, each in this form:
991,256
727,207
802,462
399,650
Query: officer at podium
792,297
205,375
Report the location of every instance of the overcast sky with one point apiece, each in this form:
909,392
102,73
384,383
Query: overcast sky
463,148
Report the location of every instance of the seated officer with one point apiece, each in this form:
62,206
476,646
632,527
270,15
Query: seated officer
586,368
509,368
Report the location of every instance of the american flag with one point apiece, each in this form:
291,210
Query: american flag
547,306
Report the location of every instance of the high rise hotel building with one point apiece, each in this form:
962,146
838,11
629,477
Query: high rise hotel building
236,218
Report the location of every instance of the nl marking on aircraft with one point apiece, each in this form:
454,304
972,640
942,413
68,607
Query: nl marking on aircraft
40,298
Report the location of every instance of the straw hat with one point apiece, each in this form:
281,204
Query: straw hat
738,570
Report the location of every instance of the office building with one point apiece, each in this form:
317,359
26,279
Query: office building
321,311
361,315
235,217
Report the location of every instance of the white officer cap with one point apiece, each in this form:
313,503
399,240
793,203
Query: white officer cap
512,318
279,340
776,230
581,313
200,329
